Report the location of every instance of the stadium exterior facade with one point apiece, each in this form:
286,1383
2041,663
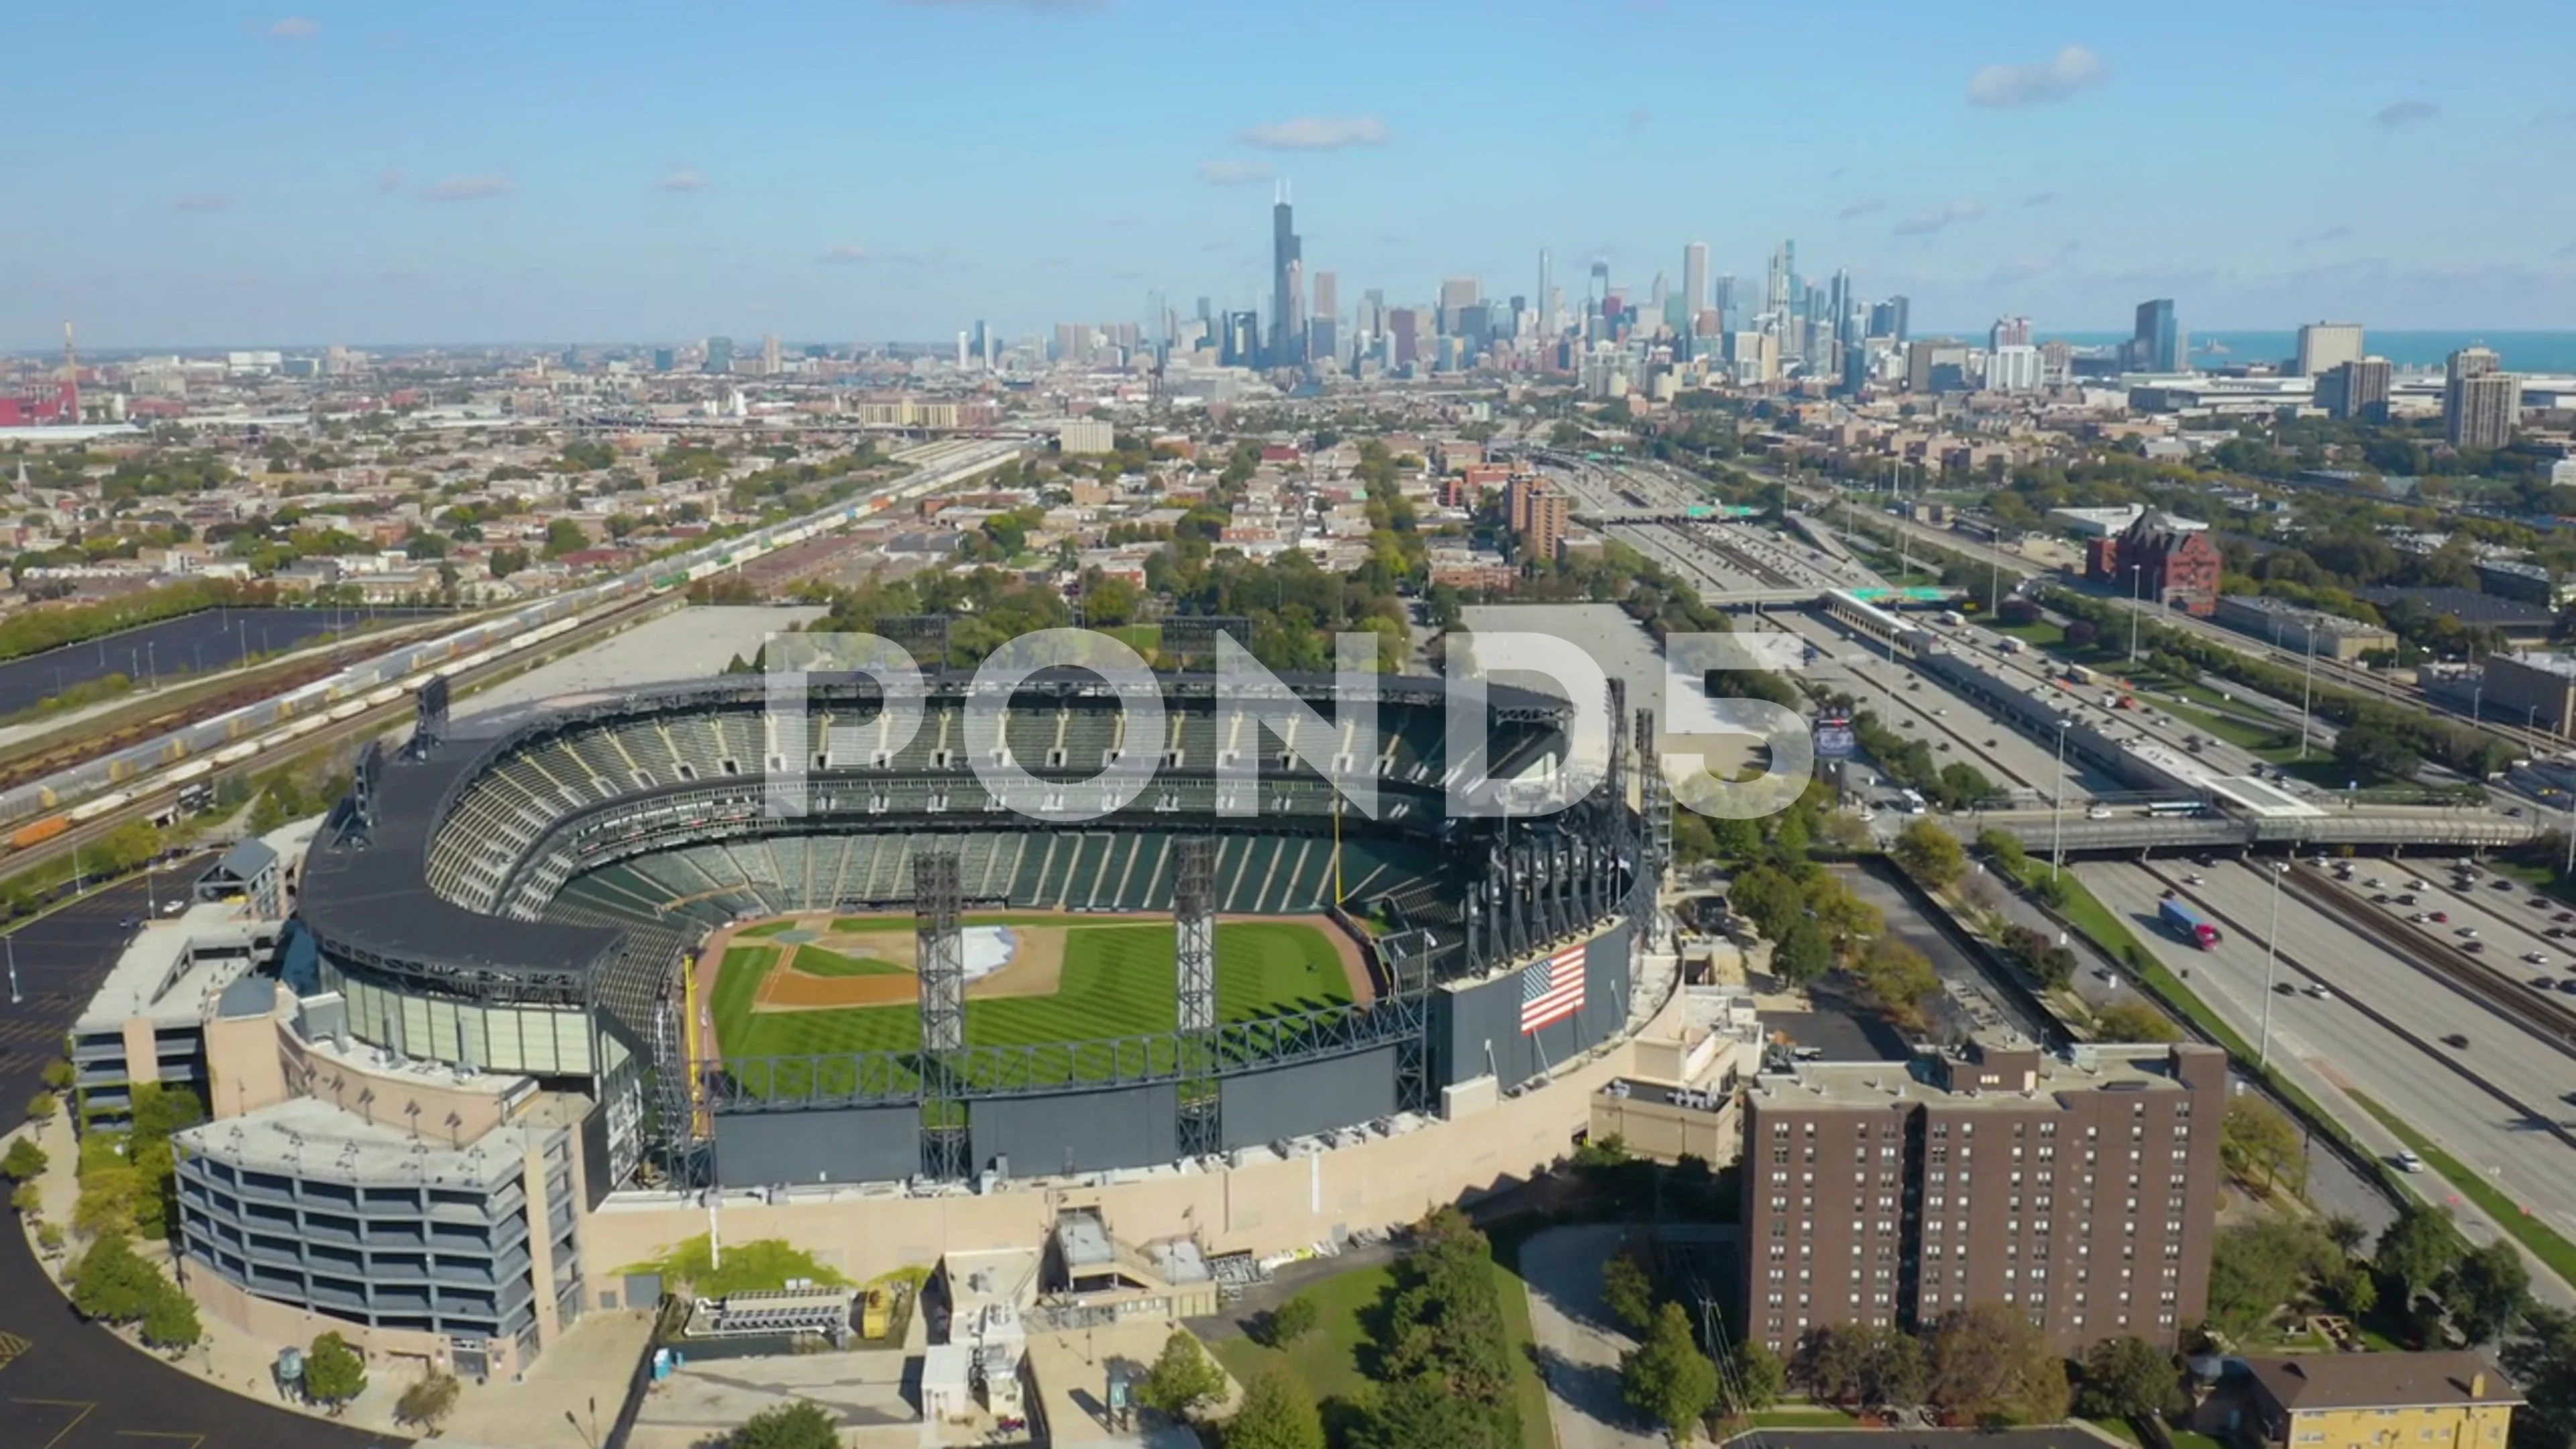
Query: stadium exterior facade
506,909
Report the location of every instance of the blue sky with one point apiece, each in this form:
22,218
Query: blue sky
187,174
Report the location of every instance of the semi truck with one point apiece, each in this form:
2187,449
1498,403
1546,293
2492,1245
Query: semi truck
2187,923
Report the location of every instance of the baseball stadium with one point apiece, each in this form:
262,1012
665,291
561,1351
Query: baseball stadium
1228,1005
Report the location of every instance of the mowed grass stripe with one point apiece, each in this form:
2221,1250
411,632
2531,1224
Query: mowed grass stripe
815,961
1117,982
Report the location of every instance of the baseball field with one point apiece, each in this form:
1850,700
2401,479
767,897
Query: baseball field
826,986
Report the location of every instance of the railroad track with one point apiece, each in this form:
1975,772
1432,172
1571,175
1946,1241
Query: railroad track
2300,882
152,799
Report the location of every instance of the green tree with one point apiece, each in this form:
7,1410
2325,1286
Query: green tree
2256,1269
41,1106
1929,853
564,536
1276,1414
2003,848
800,1425
27,1198
1803,955
1759,1376
111,1283
1628,1291
2374,750
1736,839
58,1075
2256,1138
2415,1251
1897,979
2132,1019
507,561
428,1401
333,1372
2126,1378
1292,1320
170,1319
1419,1413
24,1160
2542,1361
1666,1379
2488,1291
1183,1379
1989,1363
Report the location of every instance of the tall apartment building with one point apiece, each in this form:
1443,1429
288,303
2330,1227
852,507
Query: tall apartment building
2356,389
1539,514
2325,346
2093,1208
2480,400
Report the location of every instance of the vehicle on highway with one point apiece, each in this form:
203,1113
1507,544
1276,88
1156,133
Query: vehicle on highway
2187,923
2465,933
2536,958
2439,918
2380,899
2543,983
2418,884
2407,1161
2568,985
2098,812
2474,948
2455,1039
2317,991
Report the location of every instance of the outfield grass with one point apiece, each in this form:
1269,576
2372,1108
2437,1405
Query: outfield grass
863,925
815,961
1117,981
773,928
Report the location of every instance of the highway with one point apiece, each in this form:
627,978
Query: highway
2508,923
2334,1047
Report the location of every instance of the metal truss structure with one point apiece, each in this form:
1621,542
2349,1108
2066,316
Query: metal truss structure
1194,966
940,968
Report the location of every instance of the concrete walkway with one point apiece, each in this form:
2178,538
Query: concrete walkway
1578,1345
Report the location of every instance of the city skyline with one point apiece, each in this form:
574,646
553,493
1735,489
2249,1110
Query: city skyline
895,170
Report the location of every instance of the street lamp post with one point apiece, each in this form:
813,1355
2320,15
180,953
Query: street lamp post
2137,606
2307,685
15,998
2057,806
2271,963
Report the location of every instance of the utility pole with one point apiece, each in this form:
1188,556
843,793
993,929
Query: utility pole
2271,964
2307,686
2057,806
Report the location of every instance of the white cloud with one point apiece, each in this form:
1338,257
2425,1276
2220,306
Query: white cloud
295,27
1233,173
1318,133
2405,113
1860,209
680,178
1949,213
2070,70
203,201
467,188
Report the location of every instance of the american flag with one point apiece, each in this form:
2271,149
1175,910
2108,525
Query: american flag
1552,990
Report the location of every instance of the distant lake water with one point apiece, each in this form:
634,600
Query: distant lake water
2521,351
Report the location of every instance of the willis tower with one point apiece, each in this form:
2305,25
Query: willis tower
1288,286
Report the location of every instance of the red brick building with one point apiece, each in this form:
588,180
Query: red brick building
2178,563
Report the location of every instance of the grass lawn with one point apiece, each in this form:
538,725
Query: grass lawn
2543,1240
2116,1428
774,928
2186,1439
815,961
1117,981
855,925
1808,1416
1327,1361
2045,634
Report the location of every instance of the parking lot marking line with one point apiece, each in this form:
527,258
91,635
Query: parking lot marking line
86,1407
11,1345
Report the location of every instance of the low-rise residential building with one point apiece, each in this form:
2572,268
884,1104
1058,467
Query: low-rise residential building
2312,631
2444,1400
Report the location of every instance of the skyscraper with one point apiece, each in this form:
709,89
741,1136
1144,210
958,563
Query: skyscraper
1779,295
1722,301
2156,343
719,355
1287,337
1695,276
2480,401
2008,332
1546,295
1457,294
2324,346
1324,325
769,355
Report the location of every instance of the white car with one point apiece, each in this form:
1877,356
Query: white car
2407,1161
2098,812
2317,991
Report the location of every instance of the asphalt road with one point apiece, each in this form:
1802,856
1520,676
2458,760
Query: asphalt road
66,1384
2333,1049
1578,1346
215,639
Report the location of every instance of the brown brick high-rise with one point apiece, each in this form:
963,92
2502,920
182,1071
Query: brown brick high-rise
2084,1192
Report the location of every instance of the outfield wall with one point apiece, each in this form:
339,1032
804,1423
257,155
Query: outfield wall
849,1144
1476,1026
1268,1205
1100,1131
1259,1108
